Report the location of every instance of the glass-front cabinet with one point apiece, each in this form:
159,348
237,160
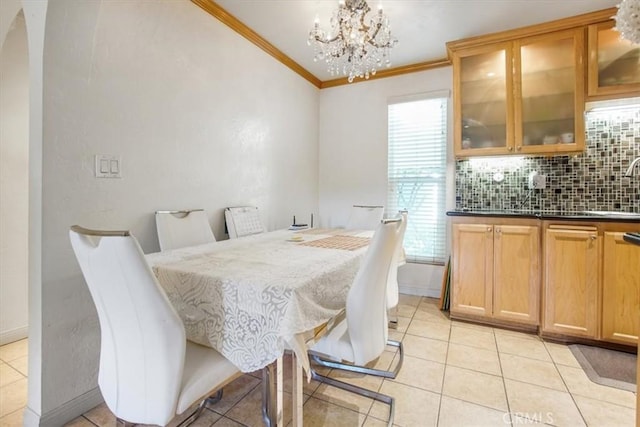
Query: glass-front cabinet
614,63
524,96
485,82
550,107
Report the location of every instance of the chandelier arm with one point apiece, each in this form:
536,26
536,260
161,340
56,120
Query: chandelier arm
318,39
375,34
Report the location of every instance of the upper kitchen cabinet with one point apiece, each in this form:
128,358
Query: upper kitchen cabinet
614,64
549,106
522,96
482,99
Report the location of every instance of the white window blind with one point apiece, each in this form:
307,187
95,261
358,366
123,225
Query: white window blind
417,174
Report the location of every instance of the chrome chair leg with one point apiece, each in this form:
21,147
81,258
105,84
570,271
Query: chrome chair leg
213,399
268,394
362,369
358,390
393,318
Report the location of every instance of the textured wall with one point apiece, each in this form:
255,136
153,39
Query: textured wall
593,180
202,119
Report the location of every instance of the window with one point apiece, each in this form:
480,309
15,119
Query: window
417,173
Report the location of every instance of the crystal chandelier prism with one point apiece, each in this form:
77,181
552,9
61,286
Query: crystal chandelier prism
628,20
353,47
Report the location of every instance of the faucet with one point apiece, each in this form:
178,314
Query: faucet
629,171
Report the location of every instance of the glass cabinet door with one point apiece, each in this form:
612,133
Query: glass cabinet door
614,63
551,86
484,100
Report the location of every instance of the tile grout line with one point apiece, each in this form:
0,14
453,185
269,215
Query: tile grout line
504,383
566,385
444,374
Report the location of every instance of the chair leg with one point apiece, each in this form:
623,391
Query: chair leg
362,369
268,394
214,398
393,317
358,390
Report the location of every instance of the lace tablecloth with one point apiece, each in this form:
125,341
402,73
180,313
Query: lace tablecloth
252,297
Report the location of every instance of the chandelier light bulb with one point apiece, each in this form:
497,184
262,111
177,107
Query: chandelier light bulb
628,20
352,47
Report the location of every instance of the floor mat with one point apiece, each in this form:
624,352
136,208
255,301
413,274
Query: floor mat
607,367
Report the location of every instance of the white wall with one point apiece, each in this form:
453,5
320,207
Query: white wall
14,182
353,155
201,118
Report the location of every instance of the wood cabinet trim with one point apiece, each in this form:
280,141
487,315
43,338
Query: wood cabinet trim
532,30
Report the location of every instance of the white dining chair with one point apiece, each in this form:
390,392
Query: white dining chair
149,373
362,217
359,334
243,221
180,229
399,259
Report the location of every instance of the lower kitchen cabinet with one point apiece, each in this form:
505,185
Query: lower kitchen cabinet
571,281
582,282
496,271
620,290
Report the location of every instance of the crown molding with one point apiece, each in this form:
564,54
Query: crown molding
533,30
232,22
391,72
213,9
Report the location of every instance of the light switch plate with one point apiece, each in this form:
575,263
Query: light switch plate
108,166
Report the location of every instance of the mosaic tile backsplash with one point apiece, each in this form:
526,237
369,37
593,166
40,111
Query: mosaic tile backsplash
593,180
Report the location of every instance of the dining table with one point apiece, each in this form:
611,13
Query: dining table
253,298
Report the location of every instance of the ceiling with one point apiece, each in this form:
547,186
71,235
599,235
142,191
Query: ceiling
422,27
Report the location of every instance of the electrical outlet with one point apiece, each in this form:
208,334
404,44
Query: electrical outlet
537,181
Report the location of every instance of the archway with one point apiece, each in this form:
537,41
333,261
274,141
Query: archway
14,182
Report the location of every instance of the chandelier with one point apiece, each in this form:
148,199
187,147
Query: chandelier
628,20
353,47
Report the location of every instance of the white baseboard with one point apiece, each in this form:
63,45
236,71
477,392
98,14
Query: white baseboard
16,334
30,418
65,413
419,291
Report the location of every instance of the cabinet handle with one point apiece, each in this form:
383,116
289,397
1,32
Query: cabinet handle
519,148
510,149
488,228
593,237
498,230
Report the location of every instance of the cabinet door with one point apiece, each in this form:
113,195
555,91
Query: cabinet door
549,112
620,290
483,101
472,269
614,63
516,288
571,282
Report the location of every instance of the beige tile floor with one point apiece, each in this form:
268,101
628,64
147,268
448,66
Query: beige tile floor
454,374
13,382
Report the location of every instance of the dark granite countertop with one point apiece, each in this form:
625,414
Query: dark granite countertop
632,238
595,216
